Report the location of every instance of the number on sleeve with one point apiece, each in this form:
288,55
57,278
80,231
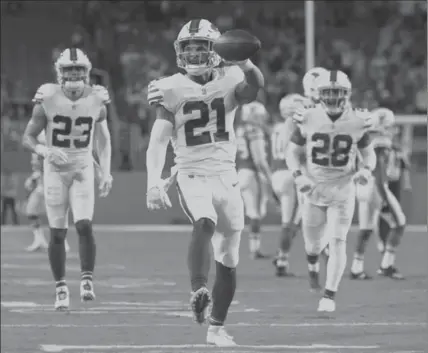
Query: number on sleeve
217,105
340,145
61,135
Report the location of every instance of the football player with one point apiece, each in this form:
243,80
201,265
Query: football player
72,113
329,135
195,111
255,176
376,195
282,180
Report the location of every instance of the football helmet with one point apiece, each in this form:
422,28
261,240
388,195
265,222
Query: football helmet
290,103
73,68
334,91
254,112
309,88
383,121
194,47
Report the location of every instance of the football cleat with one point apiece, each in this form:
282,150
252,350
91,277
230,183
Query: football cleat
218,336
62,298
326,305
314,281
36,246
199,302
87,290
391,272
360,276
258,255
282,267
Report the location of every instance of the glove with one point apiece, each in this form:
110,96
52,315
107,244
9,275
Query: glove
244,65
363,176
105,184
303,183
52,154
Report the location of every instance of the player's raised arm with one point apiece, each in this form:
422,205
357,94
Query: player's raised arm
34,127
103,150
254,80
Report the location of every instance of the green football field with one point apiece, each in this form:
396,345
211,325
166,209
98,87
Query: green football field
142,289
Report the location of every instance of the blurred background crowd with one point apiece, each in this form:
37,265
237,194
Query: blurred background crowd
381,45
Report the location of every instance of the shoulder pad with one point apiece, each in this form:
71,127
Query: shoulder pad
156,89
44,91
102,93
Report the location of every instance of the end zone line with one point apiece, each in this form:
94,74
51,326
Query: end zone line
59,348
236,325
167,228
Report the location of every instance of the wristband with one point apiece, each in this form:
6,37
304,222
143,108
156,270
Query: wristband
247,65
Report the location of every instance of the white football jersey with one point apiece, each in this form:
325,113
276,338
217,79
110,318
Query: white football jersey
70,124
204,138
332,146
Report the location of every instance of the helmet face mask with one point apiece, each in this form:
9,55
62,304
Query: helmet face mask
334,99
194,48
73,68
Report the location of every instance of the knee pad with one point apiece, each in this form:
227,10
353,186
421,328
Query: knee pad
204,226
226,248
255,225
84,227
58,235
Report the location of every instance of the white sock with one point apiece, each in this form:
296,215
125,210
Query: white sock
357,264
388,258
254,242
336,264
314,267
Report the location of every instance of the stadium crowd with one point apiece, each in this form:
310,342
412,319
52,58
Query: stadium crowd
387,69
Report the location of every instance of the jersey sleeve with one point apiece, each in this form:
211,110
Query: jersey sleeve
102,93
44,91
162,92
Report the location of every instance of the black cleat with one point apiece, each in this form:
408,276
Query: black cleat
199,302
391,272
362,276
282,268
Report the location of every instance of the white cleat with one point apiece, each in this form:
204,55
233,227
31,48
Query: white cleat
62,298
327,305
67,246
87,290
36,246
218,336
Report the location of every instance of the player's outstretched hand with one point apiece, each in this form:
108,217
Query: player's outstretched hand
105,185
157,198
304,184
362,176
56,156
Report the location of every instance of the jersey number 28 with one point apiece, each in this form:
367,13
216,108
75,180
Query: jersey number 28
65,131
339,145
216,105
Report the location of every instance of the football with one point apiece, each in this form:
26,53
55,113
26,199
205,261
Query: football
236,45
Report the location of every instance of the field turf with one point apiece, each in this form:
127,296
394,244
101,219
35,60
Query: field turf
142,289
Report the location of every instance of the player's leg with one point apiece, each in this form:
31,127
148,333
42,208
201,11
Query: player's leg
383,226
313,228
34,210
82,200
397,224
195,194
254,197
339,220
226,242
283,185
369,204
56,188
